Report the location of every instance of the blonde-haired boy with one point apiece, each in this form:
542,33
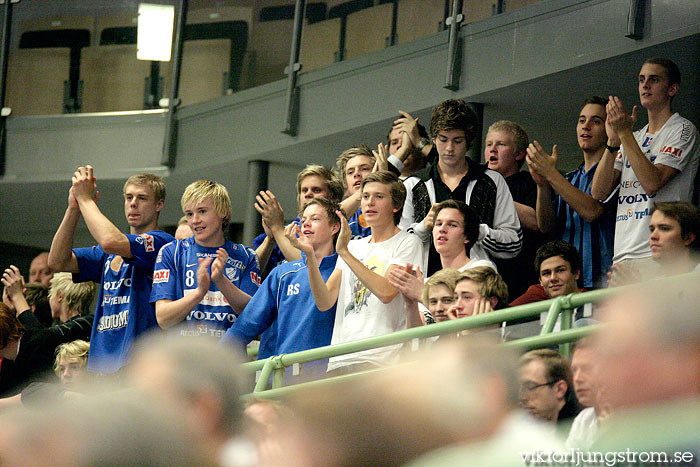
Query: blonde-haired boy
122,263
68,299
201,284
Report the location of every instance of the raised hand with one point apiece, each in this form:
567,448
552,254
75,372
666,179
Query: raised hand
619,120
482,306
13,282
621,274
341,244
541,164
406,147
409,126
218,265
84,184
267,230
72,202
429,221
203,277
407,281
293,233
380,155
270,209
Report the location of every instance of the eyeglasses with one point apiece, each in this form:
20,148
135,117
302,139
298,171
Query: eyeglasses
528,388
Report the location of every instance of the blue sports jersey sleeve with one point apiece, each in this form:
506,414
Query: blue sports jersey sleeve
165,274
257,316
89,264
145,247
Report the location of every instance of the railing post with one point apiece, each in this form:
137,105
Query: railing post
265,373
567,313
170,140
453,49
278,372
552,315
292,98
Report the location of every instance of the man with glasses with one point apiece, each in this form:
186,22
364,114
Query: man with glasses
546,388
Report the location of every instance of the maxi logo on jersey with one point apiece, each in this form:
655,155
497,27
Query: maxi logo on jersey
161,275
147,241
674,152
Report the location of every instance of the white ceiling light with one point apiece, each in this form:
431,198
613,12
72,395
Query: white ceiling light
155,32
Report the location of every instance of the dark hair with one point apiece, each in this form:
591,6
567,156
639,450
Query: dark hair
38,295
687,216
10,327
471,220
558,248
673,73
597,100
556,367
397,190
454,114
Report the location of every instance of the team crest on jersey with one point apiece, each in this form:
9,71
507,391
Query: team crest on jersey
232,274
255,278
149,243
202,328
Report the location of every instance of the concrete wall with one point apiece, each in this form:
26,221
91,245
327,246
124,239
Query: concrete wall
533,65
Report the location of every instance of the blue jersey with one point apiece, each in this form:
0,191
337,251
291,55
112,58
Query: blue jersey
593,240
175,275
358,226
285,310
123,309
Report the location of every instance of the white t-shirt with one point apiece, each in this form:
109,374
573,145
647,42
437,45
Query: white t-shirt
359,313
674,145
584,430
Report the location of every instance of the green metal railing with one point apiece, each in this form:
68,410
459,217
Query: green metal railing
275,366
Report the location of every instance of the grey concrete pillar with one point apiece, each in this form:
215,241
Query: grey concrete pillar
257,181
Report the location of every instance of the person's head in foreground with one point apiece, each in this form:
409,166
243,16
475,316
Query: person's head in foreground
649,352
545,383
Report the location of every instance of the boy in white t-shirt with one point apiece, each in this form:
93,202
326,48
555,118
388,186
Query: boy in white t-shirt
367,304
656,163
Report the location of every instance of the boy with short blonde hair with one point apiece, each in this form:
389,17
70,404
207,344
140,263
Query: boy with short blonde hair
73,299
201,284
121,263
